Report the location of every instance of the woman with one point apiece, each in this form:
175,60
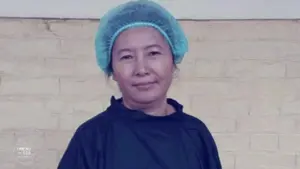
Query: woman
139,44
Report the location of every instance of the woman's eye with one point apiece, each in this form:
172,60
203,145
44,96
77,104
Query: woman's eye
126,57
154,53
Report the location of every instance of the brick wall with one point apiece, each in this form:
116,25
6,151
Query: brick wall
242,78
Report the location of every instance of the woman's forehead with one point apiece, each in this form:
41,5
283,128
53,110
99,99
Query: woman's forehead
143,37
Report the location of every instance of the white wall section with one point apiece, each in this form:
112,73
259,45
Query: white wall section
182,9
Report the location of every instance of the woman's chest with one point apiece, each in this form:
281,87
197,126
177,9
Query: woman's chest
151,147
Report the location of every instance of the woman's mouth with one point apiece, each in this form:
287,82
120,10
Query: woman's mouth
144,85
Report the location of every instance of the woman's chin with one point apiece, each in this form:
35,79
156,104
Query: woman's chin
146,98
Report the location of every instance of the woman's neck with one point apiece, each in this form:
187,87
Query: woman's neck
160,107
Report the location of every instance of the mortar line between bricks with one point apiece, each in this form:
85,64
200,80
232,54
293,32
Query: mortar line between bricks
285,71
298,159
59,85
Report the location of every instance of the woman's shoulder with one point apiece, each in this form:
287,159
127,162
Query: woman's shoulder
98,123
87,139
190,121
195,122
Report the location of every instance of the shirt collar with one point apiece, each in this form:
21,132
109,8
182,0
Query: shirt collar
118,109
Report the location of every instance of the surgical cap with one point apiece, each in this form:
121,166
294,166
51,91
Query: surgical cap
135,14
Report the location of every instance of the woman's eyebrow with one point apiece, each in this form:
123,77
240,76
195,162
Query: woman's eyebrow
127,49
123,50
153,45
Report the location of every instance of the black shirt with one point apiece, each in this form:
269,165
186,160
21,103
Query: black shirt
120,138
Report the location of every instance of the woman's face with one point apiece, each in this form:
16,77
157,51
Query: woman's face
142,64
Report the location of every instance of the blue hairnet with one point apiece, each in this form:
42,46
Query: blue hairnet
134,14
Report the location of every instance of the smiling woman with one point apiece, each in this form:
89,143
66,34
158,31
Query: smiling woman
139,44
142,65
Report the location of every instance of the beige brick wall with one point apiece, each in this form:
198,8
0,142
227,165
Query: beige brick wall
242,78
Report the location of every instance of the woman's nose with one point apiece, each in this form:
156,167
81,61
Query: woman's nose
141,66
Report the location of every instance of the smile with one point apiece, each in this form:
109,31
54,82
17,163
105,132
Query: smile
144,85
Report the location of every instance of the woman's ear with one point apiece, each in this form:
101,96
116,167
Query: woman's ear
175,71
113,77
